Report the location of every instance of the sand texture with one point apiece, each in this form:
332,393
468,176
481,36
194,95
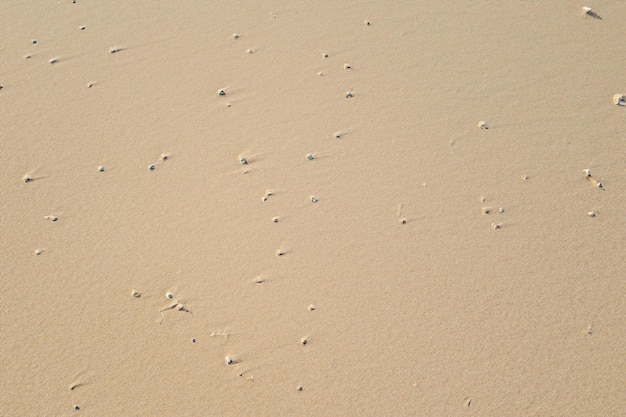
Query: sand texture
328,208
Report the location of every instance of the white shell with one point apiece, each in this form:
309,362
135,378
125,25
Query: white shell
587,9
587,172
483,125
591,214
619,100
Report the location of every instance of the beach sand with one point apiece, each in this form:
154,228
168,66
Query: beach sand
189,190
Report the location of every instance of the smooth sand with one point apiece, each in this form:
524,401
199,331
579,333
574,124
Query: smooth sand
428,300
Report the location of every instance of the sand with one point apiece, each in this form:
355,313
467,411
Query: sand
341,191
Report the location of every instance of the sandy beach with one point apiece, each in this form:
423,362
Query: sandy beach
312,208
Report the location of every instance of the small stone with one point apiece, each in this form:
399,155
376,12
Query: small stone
619,100
136,294
304,341
229,360
501,210
349,94
275,219
76,407
101,168
599,185
53,60
300,388
27,178
310,157
312,307
324,55
496,225
221,92
243,161
236,36
82,28
347,66
193,340
169,295
38,252
152,167
34,41
367,23
313,200
591,214
587,172
403,221
483,125
164,157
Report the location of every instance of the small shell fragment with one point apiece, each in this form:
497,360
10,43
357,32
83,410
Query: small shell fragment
587,172
229,360
312,307
619,100
591,213
136,294
483,125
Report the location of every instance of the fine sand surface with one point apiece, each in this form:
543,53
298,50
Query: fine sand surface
434,267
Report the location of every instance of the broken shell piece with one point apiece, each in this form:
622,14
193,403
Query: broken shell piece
591,213
587,172
496,225
229,360
38,252
587,9
619,100
136,294
483,125
349,94
53,60
311,307
304,341
114,49
243,161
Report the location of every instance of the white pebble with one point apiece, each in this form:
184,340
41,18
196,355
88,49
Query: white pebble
591,213
169,295
229,360
587,172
